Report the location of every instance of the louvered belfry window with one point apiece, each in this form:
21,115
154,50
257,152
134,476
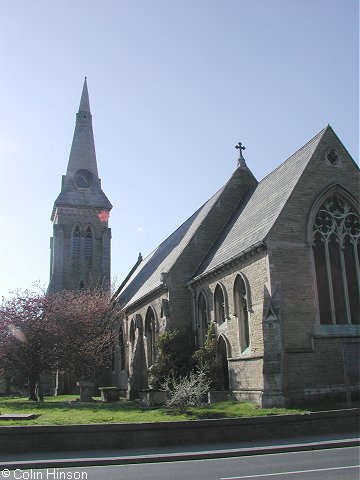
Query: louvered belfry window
336,237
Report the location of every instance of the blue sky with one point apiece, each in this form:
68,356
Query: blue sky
174,85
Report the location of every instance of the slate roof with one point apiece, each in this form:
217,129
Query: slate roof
147,276
252,223
249,225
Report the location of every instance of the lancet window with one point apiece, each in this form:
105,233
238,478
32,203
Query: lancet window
150,336
132,335
76,240
336,237
88,242
241,312
121,348
219,302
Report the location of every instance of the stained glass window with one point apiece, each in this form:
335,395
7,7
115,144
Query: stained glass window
336,234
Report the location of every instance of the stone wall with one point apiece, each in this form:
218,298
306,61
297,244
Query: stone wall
314,362
67,271
122,376
319,373
245,369
125,436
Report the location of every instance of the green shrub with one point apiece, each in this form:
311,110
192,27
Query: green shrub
179,363
175,358
205,357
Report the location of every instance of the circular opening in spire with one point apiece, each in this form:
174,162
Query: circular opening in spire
83,178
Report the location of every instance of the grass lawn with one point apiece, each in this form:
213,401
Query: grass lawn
65,410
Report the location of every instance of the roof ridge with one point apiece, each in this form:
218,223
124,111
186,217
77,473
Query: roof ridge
320,134
241,205
183,223
187,224
216,255
165,255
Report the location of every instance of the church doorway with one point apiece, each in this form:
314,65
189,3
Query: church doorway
223,368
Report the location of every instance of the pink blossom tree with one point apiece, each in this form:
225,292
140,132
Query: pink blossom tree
26,346
69,330
83,324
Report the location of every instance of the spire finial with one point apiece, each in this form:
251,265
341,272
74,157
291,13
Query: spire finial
241,160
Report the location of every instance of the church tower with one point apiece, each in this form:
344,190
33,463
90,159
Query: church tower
80,245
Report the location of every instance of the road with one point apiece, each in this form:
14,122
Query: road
329,464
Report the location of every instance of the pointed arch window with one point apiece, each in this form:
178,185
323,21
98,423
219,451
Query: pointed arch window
76,240
150,336
241,312
88,242
121,348
132,335
219,303
336,234
203,324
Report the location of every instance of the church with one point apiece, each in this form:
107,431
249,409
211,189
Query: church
273,264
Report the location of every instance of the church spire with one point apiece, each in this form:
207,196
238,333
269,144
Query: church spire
84,101
81,186
82,154
81,243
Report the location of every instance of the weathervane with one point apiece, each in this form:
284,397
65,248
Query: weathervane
240,147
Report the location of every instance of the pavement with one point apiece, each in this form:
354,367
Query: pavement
65,459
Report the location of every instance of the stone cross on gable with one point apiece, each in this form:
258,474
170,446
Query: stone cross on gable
240,147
